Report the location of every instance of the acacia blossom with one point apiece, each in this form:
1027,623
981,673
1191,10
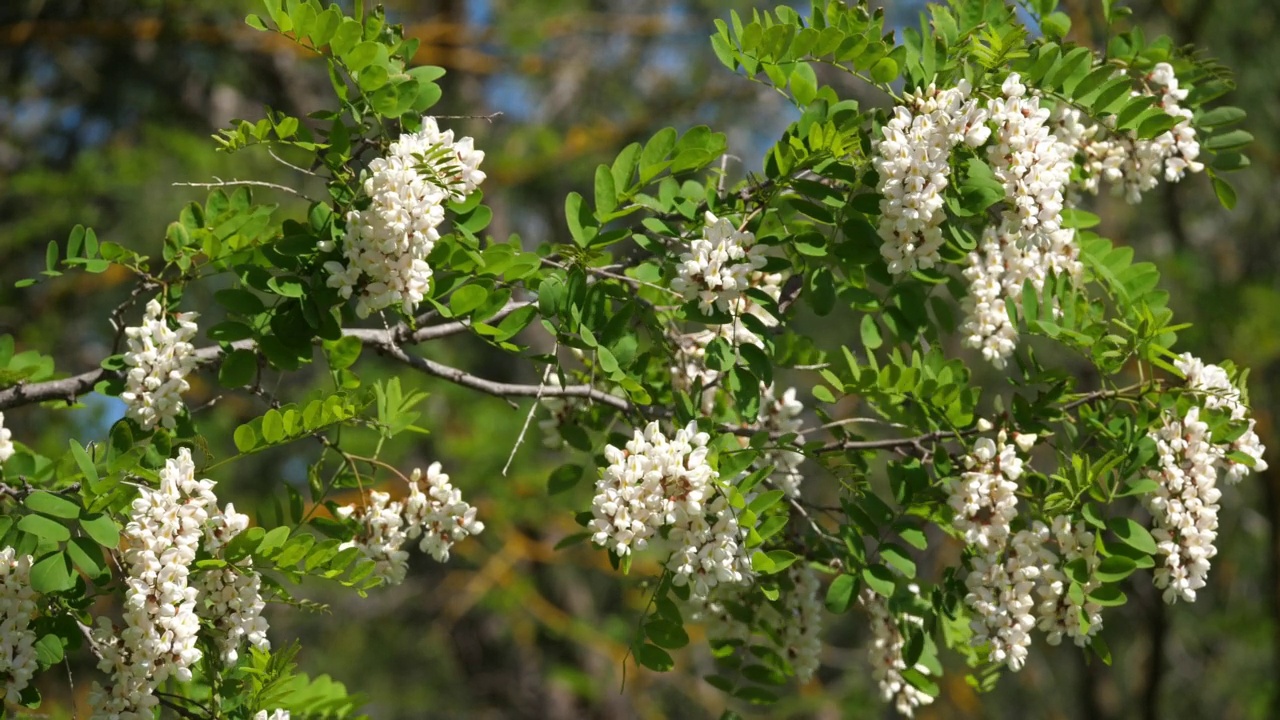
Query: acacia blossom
887,661
1132,164
997,271
718,268
802,622
913,161
1033,164
780,416
387,243
1184,505
1059,612
433,513
158,640
18,661
232,596
6,441
159,359
655,482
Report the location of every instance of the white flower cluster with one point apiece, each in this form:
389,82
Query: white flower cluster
232,597
1033,163
1184,505
159,359
719,266
1059,612
274,715
6,441
387,243
791,625
434,514
997,271
780,416
913,160
1005,566
17,608
655,482
1121,158
158,641
887,662
802,623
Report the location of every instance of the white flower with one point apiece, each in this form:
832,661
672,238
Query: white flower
887,663
656,482
158,641
913,161
1132,164
273,715
1184,506
433,513
17,609
780,416
1001,586
718,267
1033,164
1059,612
6,441
983,498
997,271
159,359
231,597
439,515
387,243
802,623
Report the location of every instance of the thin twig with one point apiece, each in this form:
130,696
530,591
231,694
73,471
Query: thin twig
235,183
529,418
290,165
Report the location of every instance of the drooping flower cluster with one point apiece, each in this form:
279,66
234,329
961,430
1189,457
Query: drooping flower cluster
1059,612
790,625
718,268
231,598
913,160
780,416
887,662
6,441
1184,505
158,640
434,514
1033,164
159,359
984,497
654,483
1132,164
17,609
386,244
802,623
997,271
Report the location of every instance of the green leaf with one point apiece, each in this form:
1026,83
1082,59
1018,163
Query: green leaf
1133,535
870,333
85,463
879,579
273,426
653,657
44,528
238,369
343,352
765,500
564,478
1229,140
52,573
1115,568
605,193
49,650
804,84
87,556
48,503
1056,25
898,558
246,438
102,529
840,594
579,221
467,298
885,70
666,634
1225,192
1220,116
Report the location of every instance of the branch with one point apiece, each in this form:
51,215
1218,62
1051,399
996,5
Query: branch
233,183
